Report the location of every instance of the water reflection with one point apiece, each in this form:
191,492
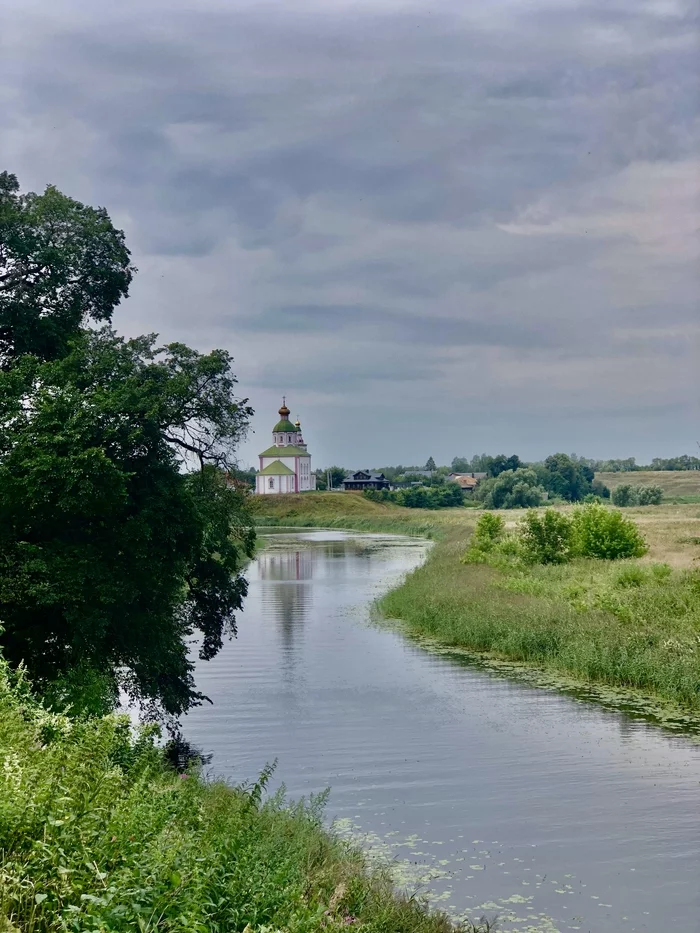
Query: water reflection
502,797
287,595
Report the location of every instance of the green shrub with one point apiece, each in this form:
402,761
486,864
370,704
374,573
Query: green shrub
605,534
546,537
649,495
488,533
623,495
628,495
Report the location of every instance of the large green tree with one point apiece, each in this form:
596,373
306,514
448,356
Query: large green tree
511,489
122,538
562,476
61,264
113,555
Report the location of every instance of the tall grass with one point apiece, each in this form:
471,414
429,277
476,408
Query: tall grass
99,835
618,623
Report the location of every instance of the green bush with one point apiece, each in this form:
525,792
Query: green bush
488,534
626,495
552,537
623,495
546,537
650,495
606,534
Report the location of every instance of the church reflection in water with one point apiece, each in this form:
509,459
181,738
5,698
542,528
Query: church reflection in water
287,596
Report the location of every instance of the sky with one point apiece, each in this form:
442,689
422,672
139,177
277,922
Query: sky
439,228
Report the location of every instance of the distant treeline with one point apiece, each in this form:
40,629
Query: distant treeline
485,463
447,496
491,465
509,484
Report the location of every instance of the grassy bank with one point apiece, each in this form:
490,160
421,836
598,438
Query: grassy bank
97,833
347,510
633,625
622,624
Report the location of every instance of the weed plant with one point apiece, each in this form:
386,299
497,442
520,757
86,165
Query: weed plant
99,835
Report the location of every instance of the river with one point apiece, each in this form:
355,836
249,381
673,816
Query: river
493,797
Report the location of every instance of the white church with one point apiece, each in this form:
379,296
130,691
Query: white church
286,466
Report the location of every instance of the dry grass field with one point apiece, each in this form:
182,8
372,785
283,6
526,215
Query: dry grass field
680,483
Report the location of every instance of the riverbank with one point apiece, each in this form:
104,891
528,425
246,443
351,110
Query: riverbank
631,626
341,510
98,833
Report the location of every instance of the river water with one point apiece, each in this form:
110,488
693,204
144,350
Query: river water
491,796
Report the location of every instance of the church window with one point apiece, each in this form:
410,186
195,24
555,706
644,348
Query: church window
271,483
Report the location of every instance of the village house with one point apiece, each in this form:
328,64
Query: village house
468,481
365,479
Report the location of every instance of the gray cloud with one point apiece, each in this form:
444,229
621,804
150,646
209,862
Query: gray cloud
489,207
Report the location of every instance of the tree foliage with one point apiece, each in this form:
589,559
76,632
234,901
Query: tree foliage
684,462
488,534
567,479
511,489
627,495
444,496
605,534
112,555
485,463
61,263
546,537
121,535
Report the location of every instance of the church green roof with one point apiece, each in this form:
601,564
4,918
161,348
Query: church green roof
289,451
276,469
285,425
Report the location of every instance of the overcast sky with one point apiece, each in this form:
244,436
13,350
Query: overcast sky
439,227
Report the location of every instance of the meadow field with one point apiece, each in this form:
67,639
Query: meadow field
631,625
676,484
